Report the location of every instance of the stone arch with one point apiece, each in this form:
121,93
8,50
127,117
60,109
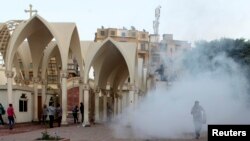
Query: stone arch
106,68
94,55
24,30
51,50
75,47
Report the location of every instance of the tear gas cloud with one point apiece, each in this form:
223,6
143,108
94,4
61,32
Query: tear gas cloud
218,82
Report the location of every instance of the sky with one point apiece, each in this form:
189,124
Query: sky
189,20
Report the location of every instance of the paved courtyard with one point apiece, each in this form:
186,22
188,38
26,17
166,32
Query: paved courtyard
29,132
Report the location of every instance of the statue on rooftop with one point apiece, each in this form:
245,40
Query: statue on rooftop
156,21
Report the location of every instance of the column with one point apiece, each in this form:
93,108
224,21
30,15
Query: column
136,96
44,97
145,71
124,102
86,105
64,75
115,106
131,96
35,108
9,75
97,116
119,110
80,90
104,108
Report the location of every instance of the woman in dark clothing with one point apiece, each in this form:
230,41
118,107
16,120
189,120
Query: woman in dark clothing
59,114
82,111
45,113
75,114
2,112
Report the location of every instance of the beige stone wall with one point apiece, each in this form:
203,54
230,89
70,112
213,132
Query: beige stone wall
20,116
3,79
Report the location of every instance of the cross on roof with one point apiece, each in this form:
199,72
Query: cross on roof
30,11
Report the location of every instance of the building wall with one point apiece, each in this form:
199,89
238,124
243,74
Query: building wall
3,78
20,116
73,98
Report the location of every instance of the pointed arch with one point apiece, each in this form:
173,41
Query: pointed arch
24,30
97,51
75,47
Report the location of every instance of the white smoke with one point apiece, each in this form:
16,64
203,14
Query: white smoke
219,84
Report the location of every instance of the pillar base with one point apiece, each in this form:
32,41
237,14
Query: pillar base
97,121
35,120
64,123
87,124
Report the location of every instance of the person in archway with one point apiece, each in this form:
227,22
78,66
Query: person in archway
51,114
45,113
82,111
198,118
59,114
110,112
75,114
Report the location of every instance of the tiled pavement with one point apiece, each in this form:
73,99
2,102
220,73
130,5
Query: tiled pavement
29,132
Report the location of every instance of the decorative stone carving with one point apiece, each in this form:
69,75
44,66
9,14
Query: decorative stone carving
131,87
44,82
9,74
26,82
81,80
35,79
64,74
119,95
18,79
85,87
97,89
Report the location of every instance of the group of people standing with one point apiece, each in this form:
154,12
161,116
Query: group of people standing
55,113
75,113
52,112
10,113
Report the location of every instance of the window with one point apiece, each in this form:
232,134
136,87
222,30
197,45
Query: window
102,33
123,34
31,65
113,33
21,65
1,59
143,36
133,34
143,46
23,103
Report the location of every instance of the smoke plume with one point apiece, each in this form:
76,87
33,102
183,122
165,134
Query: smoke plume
213,78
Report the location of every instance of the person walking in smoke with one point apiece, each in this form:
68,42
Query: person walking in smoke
198,118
